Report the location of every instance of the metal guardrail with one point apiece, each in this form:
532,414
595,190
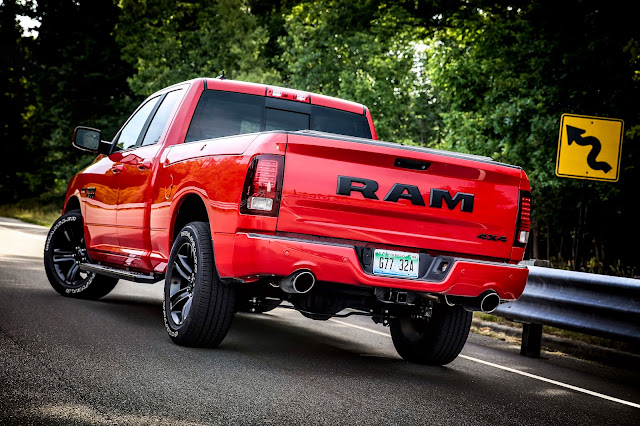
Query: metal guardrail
597,305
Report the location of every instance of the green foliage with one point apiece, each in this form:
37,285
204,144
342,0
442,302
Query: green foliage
365,52
32,211
14,98
78,79
171,41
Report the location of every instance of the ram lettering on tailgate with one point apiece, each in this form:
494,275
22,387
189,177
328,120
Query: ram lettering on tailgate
368,188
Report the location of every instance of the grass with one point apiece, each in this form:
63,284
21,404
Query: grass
31,212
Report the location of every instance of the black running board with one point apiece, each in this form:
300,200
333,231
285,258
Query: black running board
138,277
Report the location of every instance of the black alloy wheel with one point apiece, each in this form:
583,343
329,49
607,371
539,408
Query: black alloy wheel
198,306
64,251
182,282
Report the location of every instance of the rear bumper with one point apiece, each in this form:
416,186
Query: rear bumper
256,255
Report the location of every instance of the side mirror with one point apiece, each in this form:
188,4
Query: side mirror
89,139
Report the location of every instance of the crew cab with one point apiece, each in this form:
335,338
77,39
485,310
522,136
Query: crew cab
241,196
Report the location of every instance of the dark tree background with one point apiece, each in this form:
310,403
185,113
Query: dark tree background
484,77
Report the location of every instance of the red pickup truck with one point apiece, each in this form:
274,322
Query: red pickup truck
241,196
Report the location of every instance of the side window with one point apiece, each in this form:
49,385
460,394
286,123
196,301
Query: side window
220,114
131,132
161,117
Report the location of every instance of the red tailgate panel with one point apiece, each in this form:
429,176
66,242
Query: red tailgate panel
311,205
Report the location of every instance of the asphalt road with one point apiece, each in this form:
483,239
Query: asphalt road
66,361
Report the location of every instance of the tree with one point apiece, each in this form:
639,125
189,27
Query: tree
365,52
171,41
78,79
14,76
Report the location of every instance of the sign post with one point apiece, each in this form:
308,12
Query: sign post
589,148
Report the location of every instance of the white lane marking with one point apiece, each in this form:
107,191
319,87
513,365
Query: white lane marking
553,382
359,328
512,370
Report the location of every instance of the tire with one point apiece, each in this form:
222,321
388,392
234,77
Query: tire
434,341
198,306
64,250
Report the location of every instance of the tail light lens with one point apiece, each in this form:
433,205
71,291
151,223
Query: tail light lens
524,220
263,186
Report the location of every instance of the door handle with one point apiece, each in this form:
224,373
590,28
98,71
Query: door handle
144,164
117,168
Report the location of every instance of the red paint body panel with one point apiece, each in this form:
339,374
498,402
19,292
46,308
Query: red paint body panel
310,204
374,134
259,254
130,216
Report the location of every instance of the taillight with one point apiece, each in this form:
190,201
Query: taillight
524,219
263,186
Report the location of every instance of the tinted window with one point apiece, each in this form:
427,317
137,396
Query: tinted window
335,121
221,114
285,120
131,132
161,117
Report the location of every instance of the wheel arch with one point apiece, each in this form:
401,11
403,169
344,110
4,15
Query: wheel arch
191,207
73,203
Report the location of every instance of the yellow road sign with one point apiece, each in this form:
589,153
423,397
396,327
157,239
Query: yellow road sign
589,147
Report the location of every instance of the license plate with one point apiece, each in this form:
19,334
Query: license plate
396,263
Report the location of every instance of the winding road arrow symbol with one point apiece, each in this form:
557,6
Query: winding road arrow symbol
575,135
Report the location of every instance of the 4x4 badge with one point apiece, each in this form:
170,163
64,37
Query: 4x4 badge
491,237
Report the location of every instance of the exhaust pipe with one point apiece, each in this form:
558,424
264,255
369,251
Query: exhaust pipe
299,282
487,302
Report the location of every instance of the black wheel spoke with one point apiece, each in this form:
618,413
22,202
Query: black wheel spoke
184,264
179,297
60,252
73,272
68,234
63,256
180,305
183,267
186,309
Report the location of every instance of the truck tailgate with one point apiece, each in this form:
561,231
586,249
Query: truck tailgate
389,194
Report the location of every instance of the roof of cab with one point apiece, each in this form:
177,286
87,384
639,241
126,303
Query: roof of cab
261,90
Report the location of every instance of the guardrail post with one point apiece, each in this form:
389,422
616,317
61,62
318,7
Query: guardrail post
531,340
532,333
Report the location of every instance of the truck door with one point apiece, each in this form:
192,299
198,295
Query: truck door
101,191
138,168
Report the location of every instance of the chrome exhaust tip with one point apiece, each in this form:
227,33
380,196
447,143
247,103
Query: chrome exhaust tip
300,282
487,302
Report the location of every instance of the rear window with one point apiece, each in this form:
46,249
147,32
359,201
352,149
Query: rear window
220,114
335,121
